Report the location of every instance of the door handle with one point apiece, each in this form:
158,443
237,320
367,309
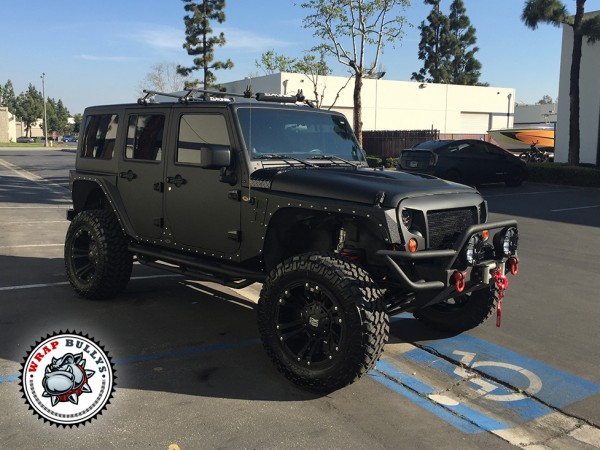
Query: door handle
129,175
177,180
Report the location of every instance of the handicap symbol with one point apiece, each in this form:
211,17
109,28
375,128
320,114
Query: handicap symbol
486,388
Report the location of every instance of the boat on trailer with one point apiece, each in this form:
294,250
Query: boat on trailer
523,138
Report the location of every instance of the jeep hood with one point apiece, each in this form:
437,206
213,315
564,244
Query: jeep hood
357,186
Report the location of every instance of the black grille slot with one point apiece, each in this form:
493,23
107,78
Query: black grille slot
445,226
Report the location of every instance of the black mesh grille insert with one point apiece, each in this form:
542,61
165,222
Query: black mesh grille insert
445,226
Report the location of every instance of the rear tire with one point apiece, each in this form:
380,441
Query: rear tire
461,313
97,261
322,321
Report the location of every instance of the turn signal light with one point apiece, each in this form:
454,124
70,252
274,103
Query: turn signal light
412,245
485,234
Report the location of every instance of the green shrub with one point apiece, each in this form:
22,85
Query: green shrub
374,161
559,173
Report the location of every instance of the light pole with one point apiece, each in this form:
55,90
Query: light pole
45,118
508,112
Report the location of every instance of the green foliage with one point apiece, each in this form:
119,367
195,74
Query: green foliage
8,97
558,173
76,127
447,47
553,12
350,29
272,62
545,100
30,107
57,115
200,41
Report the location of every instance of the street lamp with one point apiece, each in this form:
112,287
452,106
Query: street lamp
45,118
508,112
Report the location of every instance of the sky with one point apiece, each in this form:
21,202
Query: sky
99,52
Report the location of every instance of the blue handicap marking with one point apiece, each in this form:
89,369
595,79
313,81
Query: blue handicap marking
523,387
549,384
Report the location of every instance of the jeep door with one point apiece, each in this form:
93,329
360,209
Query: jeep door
201,208
141,171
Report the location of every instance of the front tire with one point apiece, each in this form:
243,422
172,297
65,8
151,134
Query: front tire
322,321
97,261
461,313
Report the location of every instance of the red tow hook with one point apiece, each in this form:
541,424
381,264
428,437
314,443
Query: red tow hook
459,281
513,264
501,284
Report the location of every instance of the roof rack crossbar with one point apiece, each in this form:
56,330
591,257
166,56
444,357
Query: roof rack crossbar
260,96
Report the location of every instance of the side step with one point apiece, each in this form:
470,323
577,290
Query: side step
199,268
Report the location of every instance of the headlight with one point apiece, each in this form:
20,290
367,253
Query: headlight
506,241
407,218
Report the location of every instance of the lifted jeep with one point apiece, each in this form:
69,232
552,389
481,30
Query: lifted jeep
264,188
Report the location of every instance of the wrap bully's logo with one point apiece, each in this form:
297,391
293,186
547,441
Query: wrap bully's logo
67,379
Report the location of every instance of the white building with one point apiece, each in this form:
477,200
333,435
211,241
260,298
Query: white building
402,105
528,115
589,97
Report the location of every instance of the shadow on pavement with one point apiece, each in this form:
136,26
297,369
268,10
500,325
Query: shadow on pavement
164,334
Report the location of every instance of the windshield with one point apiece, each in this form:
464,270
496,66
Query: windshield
300,134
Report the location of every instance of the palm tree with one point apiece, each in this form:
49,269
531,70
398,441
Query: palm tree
555,13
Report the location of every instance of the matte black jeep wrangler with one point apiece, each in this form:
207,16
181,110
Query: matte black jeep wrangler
252,188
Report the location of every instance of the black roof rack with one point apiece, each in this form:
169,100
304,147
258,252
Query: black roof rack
214,96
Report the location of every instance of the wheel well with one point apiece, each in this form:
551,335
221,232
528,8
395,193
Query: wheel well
88,195
295,231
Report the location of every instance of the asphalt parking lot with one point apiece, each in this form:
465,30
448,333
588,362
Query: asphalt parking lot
191,372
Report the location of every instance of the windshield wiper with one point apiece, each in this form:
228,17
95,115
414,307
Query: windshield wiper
284,158
334,158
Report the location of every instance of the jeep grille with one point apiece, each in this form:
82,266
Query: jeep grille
445,226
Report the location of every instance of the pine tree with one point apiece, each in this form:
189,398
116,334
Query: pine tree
435,46
464,67
8,97
200,41
29,107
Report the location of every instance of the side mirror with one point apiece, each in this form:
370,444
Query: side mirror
215,157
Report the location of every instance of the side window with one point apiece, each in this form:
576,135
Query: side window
144,137
99,135
471,149
197,131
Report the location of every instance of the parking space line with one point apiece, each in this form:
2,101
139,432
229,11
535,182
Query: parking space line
64,206
61,283
29,222
520,194
573,209
30,245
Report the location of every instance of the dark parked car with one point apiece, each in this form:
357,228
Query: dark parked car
467,161
25,140
70,138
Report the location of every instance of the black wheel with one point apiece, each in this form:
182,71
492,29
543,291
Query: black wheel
461,313
515,178
453,175
322,321
97,261
525,156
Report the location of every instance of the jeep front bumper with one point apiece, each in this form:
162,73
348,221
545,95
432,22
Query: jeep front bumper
477,254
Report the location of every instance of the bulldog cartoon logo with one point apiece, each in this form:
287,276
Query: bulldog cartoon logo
67,379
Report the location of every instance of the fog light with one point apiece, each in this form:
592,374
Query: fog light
470,252
506,241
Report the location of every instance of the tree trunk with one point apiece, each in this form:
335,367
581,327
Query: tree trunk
358,82
574,136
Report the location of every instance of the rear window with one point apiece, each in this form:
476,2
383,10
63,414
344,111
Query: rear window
429,145
99,136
